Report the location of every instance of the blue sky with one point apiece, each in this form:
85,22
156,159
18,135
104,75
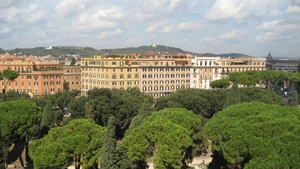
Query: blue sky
252,27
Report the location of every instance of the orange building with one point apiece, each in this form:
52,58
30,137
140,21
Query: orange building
72,76
36,77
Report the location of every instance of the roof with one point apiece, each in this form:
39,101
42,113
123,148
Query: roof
269,57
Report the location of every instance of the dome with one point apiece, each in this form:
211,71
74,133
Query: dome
269,57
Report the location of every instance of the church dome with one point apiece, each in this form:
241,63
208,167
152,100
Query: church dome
269,57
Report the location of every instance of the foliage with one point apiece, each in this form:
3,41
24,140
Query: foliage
66,86
188,120
110,156
8,76
100,104
155,137
233,96
13,95
88,51
256,135
73,61
19,121
220,84
47,118
206,103
56,51
294,100
150,138
146,110
80,140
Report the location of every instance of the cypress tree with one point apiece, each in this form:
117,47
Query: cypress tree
233,96
110,156
47,118
294,99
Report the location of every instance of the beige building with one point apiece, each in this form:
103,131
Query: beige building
72,76
154,74
204,70
228,65
160,74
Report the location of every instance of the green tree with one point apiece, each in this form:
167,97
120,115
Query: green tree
47,118
153,139
233,96
145,111
73,62
255,135
110,156
8,76
220,84
80,140
66,86
188,120
19,122
294,100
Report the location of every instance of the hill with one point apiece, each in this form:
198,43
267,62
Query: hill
88,51
232,55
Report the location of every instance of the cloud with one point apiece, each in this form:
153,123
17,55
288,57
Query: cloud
110,33
240,10
294,7
235,34
5,30
67,8
183,26
269,25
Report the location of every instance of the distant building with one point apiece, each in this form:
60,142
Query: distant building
286,65
36,77
203,71
154,74
228,65
72,76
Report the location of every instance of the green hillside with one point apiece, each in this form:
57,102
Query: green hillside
88,51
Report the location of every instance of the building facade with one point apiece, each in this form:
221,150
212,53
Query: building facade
204,70
286,65
229,65
154,74
72,76
36,77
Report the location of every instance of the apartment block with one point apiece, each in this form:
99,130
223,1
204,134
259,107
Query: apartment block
228,65
72,76
203,71
154,74
36,77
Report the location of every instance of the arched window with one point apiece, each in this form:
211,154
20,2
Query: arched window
172,87
28,69
144,88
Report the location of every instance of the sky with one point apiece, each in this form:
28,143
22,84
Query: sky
252,27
